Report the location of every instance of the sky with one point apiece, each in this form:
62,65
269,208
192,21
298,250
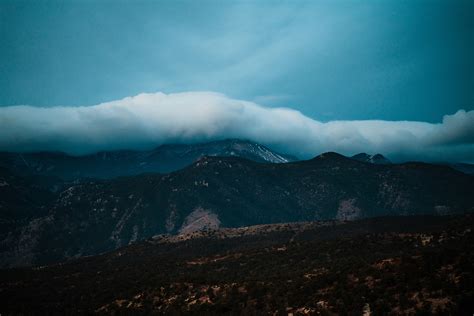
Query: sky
328,61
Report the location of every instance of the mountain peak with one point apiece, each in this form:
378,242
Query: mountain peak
374,159
329,155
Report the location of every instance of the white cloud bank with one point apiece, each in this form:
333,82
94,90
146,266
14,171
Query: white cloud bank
148,120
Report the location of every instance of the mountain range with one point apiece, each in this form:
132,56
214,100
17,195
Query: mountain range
110,164
163,159
45,218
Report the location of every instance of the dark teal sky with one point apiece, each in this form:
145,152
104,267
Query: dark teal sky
391,60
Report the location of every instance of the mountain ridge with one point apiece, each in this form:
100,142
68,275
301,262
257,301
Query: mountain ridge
109,164
95,216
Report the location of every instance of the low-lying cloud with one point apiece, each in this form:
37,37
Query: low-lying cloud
148,120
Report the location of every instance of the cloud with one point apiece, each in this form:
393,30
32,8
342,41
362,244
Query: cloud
148,120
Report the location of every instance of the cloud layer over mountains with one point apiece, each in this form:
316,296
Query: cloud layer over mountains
148,120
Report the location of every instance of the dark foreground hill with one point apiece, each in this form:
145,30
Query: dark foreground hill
97,216
416,265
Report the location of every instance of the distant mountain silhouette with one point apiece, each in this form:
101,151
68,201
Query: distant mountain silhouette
163,159
380,159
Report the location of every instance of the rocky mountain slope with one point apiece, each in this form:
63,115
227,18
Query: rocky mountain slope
97,216
163,159
413,265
